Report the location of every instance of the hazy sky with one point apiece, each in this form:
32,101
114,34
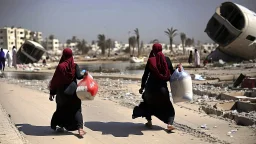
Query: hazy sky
87,18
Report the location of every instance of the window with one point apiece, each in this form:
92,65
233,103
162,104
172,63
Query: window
21,32
1,31
22,38
1,37
56,42
11,31
21,43
251,38
1,43
11,42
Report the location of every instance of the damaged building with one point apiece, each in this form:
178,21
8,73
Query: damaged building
233,27
30,52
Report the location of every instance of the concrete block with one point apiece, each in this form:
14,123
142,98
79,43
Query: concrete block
225,106
245,106
240,120
236,96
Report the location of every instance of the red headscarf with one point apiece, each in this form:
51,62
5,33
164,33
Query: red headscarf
65,71
158,64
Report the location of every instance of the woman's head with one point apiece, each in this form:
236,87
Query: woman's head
156,48
195,50
157,63
67,53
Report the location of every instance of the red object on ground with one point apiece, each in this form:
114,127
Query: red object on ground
249,83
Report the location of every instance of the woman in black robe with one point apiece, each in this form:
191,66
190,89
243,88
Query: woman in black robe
156,99
68,112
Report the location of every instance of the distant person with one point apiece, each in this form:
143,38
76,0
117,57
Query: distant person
2,60
68,113
156,99
197,58
190,58
44,62
14,57
8,58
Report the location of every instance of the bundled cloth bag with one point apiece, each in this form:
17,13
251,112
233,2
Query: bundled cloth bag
181,86
87,88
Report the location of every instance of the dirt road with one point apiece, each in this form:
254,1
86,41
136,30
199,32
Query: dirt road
109,123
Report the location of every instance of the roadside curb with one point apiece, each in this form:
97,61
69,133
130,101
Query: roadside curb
12,135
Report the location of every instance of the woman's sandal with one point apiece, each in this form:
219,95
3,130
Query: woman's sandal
170,128
60,130
81,132
149,125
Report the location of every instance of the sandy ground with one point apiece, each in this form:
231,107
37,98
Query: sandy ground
108,122
8,132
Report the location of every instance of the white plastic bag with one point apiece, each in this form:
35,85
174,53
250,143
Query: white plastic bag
181,86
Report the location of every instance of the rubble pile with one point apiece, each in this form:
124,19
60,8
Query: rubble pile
33,66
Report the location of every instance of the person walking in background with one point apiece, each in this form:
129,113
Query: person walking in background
44,62
156,99
8,58
14,57
68,113
2,59
190,58
197,58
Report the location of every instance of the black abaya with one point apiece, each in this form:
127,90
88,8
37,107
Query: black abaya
68,112
156,99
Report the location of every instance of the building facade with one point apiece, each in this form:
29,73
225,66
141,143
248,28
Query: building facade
12,36
53,44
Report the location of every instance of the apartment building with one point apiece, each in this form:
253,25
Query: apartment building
12,36
53,44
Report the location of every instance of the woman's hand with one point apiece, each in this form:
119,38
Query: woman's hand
179,66
141,90
86,73
51,97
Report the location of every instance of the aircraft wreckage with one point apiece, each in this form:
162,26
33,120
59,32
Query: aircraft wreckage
233,27
30,52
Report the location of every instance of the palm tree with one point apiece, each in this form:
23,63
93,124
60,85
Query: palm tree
188,42
74,39
132,43
109,45
193,42
183,39
138,40
102,43
82,46
51,37
69,41
171,33
142,46
166,47
93,42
